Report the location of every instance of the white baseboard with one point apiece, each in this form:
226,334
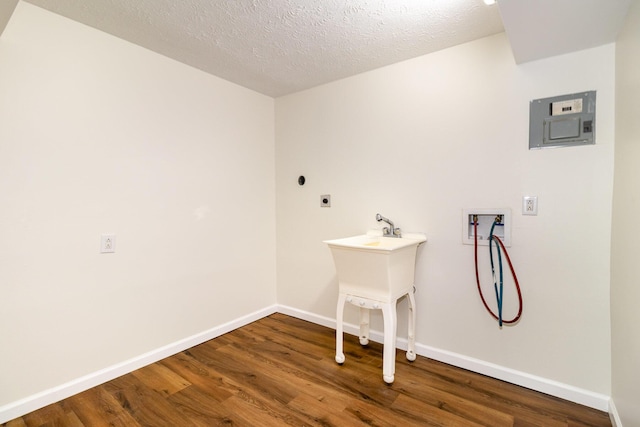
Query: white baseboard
39,400
543,385
613,415
55,394
533,382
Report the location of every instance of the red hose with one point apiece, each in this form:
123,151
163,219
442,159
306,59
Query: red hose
513,274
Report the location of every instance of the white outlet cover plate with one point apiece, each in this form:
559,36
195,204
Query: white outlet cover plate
107,243
530,205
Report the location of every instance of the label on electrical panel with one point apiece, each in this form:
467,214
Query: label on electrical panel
566,107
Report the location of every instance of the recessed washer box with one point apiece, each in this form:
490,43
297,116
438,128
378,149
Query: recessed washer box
485,219
563,121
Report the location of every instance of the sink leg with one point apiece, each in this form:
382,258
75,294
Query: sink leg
411,345
364,326
339,317
389,352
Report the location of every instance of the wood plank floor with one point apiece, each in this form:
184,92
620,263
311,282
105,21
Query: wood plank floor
280,371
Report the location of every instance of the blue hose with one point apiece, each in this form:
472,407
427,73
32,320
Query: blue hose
499,293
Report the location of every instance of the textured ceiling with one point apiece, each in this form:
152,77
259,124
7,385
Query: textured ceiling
278,47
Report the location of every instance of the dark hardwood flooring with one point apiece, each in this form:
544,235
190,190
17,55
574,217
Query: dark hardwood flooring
280,371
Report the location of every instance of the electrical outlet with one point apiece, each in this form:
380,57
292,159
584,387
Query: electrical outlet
107,243
530,205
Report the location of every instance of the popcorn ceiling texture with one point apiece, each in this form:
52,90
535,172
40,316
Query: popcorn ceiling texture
278,47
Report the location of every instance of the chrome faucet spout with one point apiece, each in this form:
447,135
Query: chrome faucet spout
390,231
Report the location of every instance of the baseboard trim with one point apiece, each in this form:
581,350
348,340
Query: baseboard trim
533,382
39,400
613,415
543,385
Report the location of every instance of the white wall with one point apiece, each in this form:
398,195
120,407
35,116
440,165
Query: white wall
625,276
98,135
419,141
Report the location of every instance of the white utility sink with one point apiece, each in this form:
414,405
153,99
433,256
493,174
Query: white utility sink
373,273
373,240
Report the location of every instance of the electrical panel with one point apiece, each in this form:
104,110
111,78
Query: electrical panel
563,121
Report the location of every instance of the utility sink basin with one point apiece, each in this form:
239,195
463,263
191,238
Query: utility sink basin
375,241
374,266
373,273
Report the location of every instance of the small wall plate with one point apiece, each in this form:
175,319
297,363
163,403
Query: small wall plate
530,205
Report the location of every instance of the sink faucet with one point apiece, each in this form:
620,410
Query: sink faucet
390,231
